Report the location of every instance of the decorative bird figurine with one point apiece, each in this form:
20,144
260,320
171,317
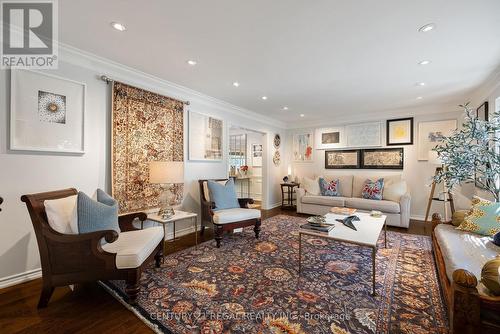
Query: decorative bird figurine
347,221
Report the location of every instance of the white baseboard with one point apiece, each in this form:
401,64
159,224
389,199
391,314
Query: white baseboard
275,205
417,217
20,278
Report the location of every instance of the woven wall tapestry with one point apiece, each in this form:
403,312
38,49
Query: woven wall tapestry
145,127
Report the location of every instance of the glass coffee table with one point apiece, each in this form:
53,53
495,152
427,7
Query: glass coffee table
367,234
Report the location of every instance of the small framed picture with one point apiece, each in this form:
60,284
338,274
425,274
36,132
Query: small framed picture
339,159
400,131
46,113
482,112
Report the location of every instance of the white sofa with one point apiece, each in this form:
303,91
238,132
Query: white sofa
397,208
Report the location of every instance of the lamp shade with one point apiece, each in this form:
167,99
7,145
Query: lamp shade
434,158
163,172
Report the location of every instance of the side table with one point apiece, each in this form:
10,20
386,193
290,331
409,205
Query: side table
288,190
179,215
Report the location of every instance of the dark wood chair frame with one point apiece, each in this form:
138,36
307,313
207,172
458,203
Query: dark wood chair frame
71,259
469,312
207,214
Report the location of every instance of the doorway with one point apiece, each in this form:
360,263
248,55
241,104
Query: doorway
246,163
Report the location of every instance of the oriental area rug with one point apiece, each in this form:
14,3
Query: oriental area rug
253,286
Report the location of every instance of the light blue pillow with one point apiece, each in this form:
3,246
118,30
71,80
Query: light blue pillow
97,215
329,188
224,196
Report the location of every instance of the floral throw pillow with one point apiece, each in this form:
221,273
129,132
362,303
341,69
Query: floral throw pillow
373,189
329,188
483,218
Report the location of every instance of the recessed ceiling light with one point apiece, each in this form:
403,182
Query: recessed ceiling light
419,97
236,84
264,97
302,115
118,26
192,62
426,28
424,62
420,84
285,108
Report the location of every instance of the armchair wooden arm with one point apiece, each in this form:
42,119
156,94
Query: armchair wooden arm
245,201
126,221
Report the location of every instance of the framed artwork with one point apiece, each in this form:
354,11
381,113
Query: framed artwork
257,155
364,134
382,158
338,159
400,131
482,112
205,137
328,138
430,134
47,113
277,141
277,158
303,147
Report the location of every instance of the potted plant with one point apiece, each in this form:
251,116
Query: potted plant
471,154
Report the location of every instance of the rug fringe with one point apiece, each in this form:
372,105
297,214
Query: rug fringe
138,314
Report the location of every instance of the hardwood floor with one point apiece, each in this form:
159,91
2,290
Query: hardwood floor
89,308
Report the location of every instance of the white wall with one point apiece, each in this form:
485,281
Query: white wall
418,174
23,173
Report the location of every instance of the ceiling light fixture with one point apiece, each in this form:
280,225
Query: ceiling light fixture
192,62
424,62
285,108
419,97
236,84
426,28
302,115
118,26
420,84
264,97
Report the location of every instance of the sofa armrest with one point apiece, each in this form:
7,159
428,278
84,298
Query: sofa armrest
126,221
405,206
300,192
466,305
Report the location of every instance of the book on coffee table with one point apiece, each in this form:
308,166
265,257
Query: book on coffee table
318,227
343,211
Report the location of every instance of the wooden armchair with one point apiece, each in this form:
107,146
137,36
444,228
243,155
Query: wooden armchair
228,219
468,310
76,258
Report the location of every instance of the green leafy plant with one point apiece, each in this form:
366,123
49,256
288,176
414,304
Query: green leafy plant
472,154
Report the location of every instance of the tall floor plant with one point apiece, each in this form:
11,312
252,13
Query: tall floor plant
472,153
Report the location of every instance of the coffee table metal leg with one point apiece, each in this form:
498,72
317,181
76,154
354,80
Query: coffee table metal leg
300,251
164,242
374,251
385,234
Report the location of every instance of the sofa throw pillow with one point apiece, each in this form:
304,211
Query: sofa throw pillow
97,215
394,190
224,196
490,275
311,186
373,189
458,217
483,218
60,213
329,188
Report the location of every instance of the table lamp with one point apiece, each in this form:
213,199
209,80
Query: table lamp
166,174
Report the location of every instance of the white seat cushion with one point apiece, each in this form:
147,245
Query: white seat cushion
464,250
324,200
373,204
235,215
133,247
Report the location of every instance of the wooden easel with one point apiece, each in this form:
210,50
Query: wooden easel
448,198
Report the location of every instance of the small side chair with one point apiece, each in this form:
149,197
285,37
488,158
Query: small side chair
77,258
227,219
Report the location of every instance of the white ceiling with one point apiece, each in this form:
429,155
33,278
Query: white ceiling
322,58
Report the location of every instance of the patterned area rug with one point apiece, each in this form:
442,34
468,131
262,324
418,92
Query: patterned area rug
252,286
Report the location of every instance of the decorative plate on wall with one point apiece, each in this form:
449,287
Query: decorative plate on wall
277,158
277,141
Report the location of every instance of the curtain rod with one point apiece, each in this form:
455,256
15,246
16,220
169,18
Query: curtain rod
108,80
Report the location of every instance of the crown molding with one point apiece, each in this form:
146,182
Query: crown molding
73,55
